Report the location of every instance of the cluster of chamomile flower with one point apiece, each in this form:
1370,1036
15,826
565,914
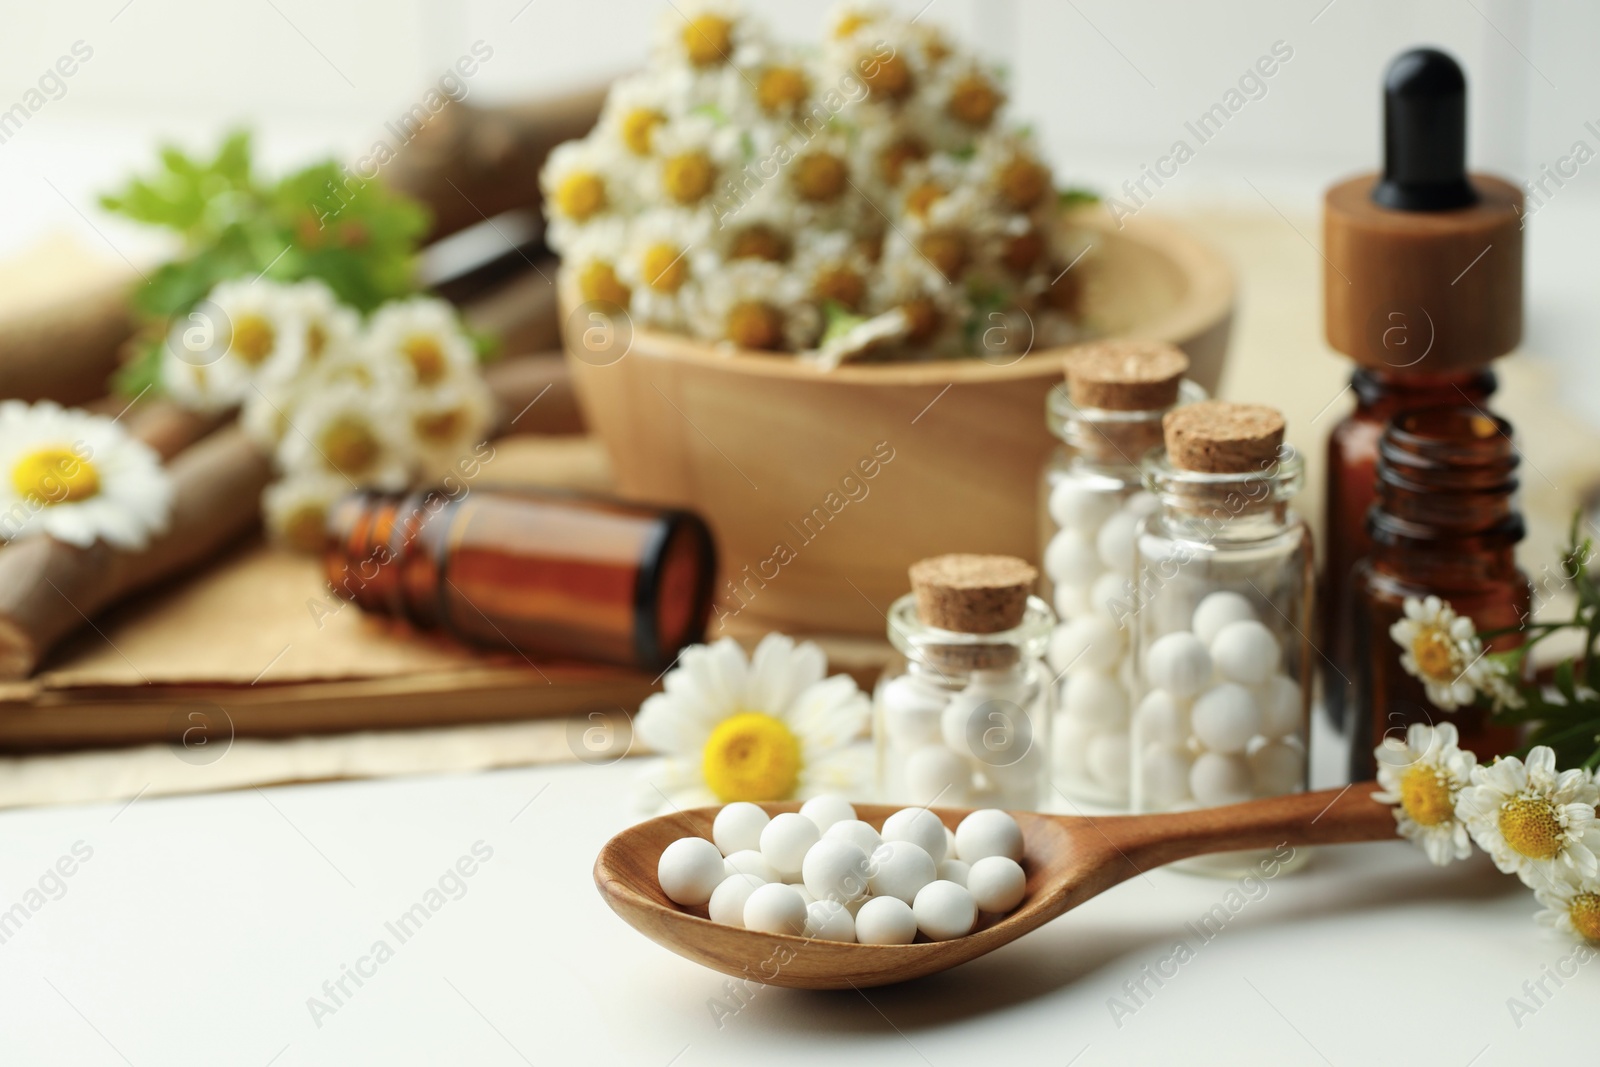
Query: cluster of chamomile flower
340,402
866,192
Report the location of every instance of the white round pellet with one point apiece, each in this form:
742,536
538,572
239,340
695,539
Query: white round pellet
1278,767
996,884
949,844
749,861
1092,697
1114,543
933,772
1159,717
899,869
1218,610
1108,760
944,910
785,840
1178,663
835,870
738,827
689,871
1078,506
1246,652
1111,597
1092,641
828,920
1226,717
1071,559
1142,503
827,809
775,908
919,826
910,711
860,834
990,832
1282,714
1220,778
1070,601
983,724
1164,774
886,921
1070,742
728,899
954,871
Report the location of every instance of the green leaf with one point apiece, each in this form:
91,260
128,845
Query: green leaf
838,320
1073,197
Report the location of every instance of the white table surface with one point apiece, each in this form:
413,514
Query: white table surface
199,928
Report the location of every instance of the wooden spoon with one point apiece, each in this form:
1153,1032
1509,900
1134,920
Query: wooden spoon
1068,860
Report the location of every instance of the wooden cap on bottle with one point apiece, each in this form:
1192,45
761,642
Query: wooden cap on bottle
972,594
1218,437
1125,375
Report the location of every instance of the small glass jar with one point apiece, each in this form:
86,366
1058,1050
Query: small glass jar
963,719
1092,500
1444,524
1220,634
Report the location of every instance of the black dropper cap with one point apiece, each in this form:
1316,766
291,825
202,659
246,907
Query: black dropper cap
1424,134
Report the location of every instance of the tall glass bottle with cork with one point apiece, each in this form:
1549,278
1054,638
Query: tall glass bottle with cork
1422,289
1443,532
1221,648
1107,414
962,719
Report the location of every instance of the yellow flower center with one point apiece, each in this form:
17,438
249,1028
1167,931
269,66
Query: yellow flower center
781,89
426,356
664,268
922,198
891,76
598,281
935,47
848,24
922,318
688,177
253,337
974,100
753,324
1530,826
751,756
708,39
760,242
1435,654
1585,915
316,340
55,475
639,129
581,195
1023,183
820,176
440,427
846,286
350,445
305,530
947,251
892,161
1425,795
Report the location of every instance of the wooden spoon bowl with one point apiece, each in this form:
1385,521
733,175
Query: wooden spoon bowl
1068,860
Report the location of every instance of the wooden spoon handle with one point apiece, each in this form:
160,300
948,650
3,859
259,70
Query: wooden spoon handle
1328,817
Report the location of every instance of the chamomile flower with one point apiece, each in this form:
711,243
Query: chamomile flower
833,267
1534,821
707,36
1423,776
634,110
423,337
770,727
1441,649
296,509
757,305
666,249
593,258
349,430
694,155
78,478
330,326
1572,906
447,423
243,332
966,97
580,184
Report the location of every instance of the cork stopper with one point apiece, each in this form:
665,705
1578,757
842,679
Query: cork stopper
1125,375
1218,437
972,594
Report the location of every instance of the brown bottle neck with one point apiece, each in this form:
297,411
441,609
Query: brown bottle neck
1384,394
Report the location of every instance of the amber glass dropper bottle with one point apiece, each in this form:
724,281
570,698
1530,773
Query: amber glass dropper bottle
1422,289
546,574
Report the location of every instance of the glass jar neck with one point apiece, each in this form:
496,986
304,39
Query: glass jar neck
1114,440
1446,481
1386,393
1247,506
954,657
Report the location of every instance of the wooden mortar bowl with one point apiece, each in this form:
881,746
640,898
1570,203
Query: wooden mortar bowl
756,443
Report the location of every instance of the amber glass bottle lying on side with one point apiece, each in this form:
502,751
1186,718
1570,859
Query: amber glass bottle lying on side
543,573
